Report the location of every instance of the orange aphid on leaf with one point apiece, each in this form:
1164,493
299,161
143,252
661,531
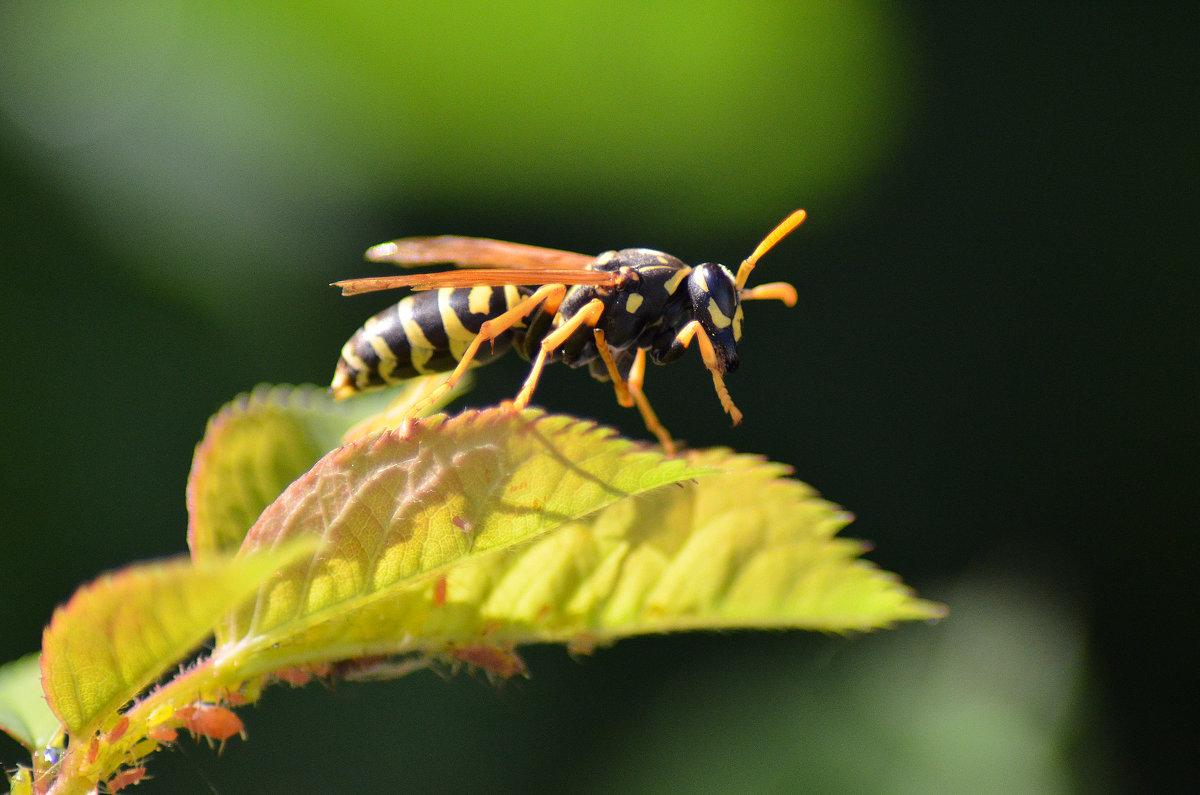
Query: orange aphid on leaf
119,730
296,677
163,733
300,675
125,778
212,721
493,659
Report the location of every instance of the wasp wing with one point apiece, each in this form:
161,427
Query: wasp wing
490,277
474,252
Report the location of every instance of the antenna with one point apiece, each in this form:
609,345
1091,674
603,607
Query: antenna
778,233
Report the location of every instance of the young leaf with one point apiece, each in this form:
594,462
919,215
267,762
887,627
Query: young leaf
118,634
397,506
24,713
747,548
260,442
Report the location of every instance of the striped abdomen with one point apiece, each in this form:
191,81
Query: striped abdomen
427,332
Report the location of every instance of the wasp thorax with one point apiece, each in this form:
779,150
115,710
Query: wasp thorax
714,295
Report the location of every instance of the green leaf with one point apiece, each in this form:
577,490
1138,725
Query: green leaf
262,441
747,548
121,632
24,713
398,506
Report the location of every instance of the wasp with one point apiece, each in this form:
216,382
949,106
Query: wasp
610,313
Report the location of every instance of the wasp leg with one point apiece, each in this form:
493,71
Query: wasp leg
637,375
629,391
589,315
551,294
780,291
618,382
684,338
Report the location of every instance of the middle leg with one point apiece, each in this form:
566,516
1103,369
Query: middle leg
589,314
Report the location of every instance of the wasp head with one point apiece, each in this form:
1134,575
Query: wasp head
715,302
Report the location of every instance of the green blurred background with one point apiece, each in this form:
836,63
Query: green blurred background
988,363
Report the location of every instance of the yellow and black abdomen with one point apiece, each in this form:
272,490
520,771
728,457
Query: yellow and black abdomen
427,332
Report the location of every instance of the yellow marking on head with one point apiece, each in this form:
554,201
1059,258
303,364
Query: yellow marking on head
672,284
479,300
737,324
719,318
633,302
420,349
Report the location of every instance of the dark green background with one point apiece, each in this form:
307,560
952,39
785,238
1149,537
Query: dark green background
992,363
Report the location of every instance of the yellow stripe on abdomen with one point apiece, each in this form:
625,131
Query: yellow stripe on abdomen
458,335
479,300
420,349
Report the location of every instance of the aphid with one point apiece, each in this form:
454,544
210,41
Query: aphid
496,661
118,731
126,778
163,734
609,312
212,721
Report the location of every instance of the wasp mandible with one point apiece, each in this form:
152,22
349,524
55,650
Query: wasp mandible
610,312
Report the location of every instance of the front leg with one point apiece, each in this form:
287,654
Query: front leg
709,354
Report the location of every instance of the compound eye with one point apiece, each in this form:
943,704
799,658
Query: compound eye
714,295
